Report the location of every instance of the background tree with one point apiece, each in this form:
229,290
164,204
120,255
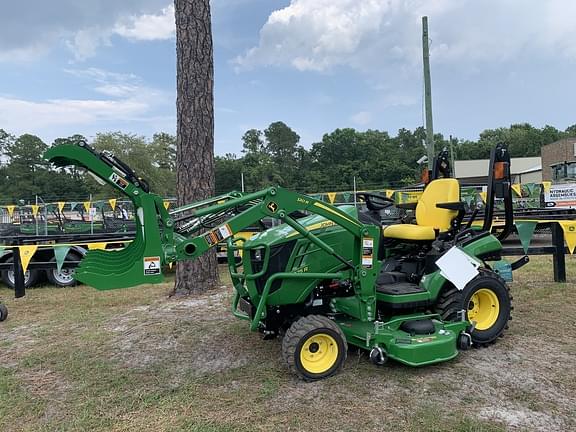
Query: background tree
195,128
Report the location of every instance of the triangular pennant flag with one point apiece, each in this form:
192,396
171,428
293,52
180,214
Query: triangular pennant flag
99,205
26,254
346,196
170,265
93,246
483,195
546,185
569,228
525,232
331,197
389,193
60,253
87,205
112,202
61,205
73,205
10,209
516,187
35,208
166,204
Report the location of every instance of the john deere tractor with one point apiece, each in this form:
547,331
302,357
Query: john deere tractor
417,293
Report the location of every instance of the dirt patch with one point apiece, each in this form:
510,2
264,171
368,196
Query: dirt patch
173,330
522,418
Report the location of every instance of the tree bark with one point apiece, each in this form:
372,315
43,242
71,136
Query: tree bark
195,129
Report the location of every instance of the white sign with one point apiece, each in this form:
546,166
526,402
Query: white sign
561,196
151,266
458,267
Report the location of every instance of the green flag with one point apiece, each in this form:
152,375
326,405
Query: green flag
525,232
346,196
73,205
60,253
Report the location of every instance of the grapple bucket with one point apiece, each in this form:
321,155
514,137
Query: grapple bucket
141,261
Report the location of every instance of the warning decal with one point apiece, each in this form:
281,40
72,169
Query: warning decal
121,182
218,235
151,266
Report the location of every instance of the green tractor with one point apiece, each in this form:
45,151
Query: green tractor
417,293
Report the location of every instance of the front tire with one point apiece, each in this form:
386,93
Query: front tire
314,348
487,301
3,312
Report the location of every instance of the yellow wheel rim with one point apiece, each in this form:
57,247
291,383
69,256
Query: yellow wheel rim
319,353
484,308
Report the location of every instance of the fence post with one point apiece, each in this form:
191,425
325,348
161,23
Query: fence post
19,285
559,256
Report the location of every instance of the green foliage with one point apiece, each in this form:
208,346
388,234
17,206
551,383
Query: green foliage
269,157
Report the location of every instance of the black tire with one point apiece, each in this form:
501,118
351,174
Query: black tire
486,284
31,277
64,277
3,312
310,336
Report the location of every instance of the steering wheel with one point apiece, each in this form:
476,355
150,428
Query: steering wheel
375,202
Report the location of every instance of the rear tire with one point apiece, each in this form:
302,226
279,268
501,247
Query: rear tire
64,277
3,312
31,277
487,300
314,348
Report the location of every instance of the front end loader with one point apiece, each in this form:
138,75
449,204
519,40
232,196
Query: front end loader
328,280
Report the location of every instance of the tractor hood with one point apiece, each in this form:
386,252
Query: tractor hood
283,233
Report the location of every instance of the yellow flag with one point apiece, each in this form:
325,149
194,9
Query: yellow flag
26,254
484,196
94,246
35,208
10,209
61,205
389,193
331,197
170,265
87,205
167,204
517,188
569,228
546,185
112,202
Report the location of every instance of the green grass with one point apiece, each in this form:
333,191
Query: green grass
78,359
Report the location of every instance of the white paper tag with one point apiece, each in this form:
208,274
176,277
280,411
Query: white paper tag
458,267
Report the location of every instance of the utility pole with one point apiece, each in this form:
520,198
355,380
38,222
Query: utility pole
427,93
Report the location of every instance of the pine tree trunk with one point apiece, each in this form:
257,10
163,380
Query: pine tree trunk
195,129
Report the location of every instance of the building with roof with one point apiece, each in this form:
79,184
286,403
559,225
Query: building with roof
475,172
559,160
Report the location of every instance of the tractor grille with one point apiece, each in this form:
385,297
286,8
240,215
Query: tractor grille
279,256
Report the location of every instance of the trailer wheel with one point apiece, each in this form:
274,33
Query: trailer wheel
487,301
31,277
314,347
64,277
3,312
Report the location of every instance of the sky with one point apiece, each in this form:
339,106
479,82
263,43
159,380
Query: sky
70,67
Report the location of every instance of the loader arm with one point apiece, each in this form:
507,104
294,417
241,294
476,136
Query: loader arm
191,230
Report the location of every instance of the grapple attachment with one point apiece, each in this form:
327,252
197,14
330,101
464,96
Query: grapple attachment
141,261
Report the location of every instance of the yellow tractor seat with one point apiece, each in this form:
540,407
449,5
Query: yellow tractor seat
409,232
437,207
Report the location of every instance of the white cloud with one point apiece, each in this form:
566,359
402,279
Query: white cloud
17,112
126,100
33,28
362,118
319,35
148,26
